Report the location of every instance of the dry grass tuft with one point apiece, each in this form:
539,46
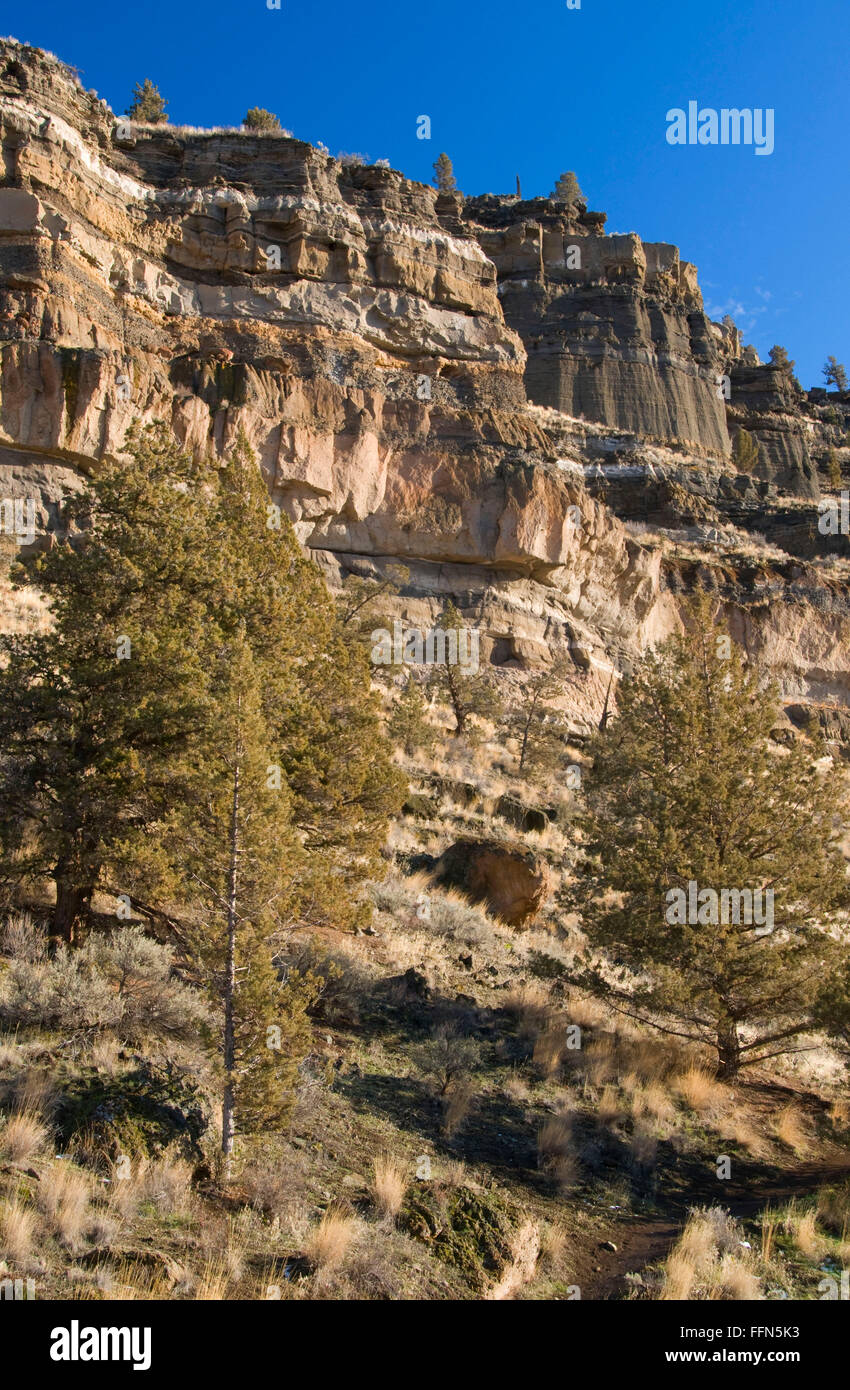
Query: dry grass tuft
710,1261
788,1128
328,1243
63,1195
22,1137
390,1185
17,1224
700,1091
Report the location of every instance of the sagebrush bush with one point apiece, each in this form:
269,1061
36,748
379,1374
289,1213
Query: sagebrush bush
122,982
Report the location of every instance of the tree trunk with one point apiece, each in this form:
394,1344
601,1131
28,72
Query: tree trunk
72,908
228,1103
456,701
728,1050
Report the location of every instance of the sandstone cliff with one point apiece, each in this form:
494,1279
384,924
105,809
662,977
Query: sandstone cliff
409,369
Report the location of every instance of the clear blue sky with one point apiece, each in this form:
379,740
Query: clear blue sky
532,89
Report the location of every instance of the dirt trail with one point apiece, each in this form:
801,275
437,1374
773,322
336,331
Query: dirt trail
642,1241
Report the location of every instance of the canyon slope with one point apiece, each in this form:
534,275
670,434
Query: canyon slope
429,381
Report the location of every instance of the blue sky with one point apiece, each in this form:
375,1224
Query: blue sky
533,89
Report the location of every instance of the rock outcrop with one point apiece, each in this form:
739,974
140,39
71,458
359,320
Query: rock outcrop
409,368
614,327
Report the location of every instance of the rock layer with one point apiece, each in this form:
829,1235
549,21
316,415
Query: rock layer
377,343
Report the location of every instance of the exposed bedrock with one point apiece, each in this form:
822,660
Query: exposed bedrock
408,367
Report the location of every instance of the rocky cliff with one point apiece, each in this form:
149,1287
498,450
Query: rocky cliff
614,327
410,368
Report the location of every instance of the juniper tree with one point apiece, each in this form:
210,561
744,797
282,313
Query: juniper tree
96,712
408,724
333,756
231,858
779,358
835,374
687,801
833,468
567,190
832,1006
93,710
531,722
289,786
444,175
147,105
257,118
455,671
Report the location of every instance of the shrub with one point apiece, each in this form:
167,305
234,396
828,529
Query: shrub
121,982
257,118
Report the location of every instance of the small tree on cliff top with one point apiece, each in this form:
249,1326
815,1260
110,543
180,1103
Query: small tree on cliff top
567,190
257,118
685,791
147,105
835,374
444,175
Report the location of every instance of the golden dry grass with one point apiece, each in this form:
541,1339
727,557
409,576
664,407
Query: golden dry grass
649,1099
833,1207
17,1226
700,1091
787,1126
600,1060
610,1108
709,1261
329,1242
457,1104
549,1050
22,1137
389,1185
63,1195
553,1244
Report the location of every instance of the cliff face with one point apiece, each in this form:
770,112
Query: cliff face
614,327
378,344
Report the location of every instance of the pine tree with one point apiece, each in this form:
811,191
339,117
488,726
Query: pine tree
567,190
685,791
746,452
93,711
408,724
444,175
257,118
147,105
466,689
835,374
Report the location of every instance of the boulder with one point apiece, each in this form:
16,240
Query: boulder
513,884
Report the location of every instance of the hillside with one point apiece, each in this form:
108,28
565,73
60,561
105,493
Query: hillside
477,400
